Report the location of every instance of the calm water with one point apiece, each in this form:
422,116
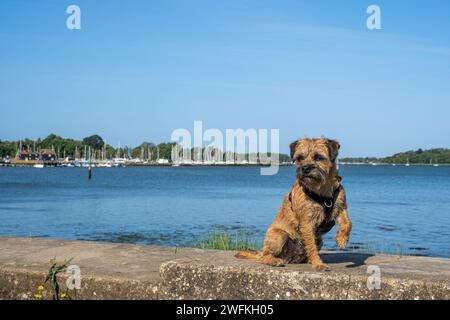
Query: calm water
393,209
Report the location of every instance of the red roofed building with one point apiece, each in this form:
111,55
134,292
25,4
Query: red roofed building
28,155
42,155
48,155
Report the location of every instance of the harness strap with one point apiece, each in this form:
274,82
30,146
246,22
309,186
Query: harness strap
327,205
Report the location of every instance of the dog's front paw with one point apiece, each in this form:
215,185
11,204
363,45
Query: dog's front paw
342,240
320,266
272,261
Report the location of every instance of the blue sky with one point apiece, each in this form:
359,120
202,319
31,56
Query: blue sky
137,70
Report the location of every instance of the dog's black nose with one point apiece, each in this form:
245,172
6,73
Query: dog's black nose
306,169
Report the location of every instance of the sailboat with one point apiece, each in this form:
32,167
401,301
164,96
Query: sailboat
407,163
436,164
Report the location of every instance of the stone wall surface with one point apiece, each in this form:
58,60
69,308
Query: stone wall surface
122,271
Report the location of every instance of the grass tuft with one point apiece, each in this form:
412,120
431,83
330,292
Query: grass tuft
228,240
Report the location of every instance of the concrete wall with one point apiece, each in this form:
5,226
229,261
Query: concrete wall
120,271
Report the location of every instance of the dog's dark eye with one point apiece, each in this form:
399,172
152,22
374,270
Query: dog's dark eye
299,158
318,157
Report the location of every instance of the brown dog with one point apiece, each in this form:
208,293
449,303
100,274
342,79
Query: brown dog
310,210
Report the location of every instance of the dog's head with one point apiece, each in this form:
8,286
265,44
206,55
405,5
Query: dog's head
315,160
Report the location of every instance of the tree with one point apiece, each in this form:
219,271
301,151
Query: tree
95,142
65,146
144,150
165,150
7,149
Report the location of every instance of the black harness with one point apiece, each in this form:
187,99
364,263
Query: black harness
327,205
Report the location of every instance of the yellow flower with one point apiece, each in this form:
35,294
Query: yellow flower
41,288
38,296
63,295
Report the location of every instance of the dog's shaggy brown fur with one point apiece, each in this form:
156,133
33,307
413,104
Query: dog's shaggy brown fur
295,236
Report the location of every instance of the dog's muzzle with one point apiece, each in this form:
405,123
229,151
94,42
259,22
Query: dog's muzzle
309,171
305,170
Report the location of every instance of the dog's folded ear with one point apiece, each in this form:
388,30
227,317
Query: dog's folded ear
292,147
334,147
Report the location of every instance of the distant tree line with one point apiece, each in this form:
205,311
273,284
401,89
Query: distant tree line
438,156
359,160
95,147
420,156
98,149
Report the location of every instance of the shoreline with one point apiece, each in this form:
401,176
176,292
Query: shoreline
134,164
393,164
31,165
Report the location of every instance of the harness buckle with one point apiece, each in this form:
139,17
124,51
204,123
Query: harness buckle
329,204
